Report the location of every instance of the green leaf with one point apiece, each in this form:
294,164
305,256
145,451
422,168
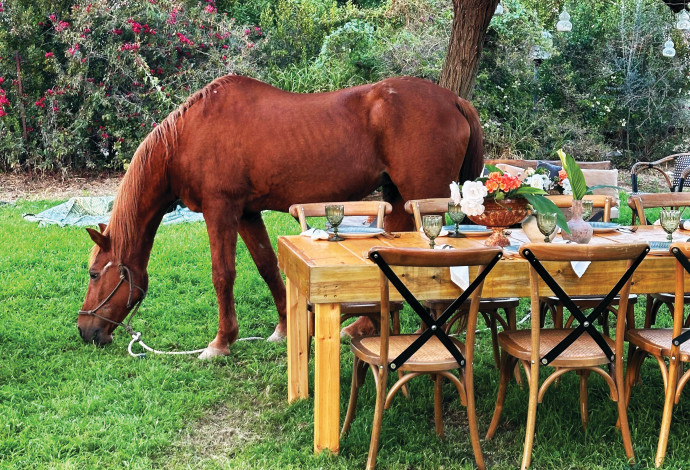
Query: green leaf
529,190
493,168
542,204
575,176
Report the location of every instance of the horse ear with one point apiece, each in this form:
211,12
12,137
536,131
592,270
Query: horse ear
99,239
101,227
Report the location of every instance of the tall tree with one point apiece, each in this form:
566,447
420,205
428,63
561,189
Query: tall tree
470,22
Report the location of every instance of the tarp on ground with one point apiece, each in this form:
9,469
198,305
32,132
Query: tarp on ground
91,211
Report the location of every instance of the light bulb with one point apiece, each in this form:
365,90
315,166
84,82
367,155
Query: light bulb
669,50
683,20
564,25
499,10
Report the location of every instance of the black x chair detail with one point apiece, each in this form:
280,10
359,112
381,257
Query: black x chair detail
586,322
434,326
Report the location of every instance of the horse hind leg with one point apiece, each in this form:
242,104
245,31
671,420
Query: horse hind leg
222,234
253,232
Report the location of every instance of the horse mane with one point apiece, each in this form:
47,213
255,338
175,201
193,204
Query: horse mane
150,159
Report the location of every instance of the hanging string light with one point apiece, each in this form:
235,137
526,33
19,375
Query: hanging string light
683,20
564,25
499,9
669,49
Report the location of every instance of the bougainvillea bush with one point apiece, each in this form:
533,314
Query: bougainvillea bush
111,71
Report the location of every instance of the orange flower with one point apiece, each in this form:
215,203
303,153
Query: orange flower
491,185
562,175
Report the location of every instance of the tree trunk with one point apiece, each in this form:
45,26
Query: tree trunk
470,22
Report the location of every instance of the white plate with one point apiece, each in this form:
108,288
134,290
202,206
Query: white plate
357,232
600,227
470,230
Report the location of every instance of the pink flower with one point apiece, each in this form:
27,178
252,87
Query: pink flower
2,112
72,50
104,135
52,17
49,54
211,9
2,79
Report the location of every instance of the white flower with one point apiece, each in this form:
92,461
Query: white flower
566,186
474,190
530,171
472,206
455,192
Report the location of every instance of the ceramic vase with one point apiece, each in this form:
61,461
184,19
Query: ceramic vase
580,230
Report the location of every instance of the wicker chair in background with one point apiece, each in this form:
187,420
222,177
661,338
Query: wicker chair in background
674,183
432,352
582,349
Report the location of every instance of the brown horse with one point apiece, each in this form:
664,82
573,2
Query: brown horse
239,146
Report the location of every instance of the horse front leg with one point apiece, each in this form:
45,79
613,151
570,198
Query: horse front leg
221,225
253,232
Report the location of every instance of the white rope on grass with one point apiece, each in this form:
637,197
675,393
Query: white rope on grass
136,338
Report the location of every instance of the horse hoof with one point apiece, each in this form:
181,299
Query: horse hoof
211,352
276,338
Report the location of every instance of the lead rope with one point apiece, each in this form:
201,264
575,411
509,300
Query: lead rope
136,338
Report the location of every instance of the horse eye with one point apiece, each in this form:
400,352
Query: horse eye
94,276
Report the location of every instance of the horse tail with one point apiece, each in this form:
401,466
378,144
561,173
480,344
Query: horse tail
473,163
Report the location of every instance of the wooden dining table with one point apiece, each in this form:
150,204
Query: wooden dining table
328,273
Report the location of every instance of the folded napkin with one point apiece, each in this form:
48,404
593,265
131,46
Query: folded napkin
579,267
316,234
459,275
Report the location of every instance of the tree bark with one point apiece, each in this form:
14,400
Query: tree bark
470,22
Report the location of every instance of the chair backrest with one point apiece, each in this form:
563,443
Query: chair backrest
640,202
376,209
387,257
681,169
420,207
599,201
536,253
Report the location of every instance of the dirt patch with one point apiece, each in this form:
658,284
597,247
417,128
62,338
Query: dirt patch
21,186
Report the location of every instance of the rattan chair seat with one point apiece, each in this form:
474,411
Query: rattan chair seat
657,342
433,355
583,352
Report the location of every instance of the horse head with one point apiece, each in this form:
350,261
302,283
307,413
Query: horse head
114,289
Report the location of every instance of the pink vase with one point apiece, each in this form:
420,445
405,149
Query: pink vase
580,230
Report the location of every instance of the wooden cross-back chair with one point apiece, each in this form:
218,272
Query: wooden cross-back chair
641,202
551,304
488,308
672,344
377,209
582,349
432,352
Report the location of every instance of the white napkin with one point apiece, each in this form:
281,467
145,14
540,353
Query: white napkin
579,267
316,234
685,224
459,275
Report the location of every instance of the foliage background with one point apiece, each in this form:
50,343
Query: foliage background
96,76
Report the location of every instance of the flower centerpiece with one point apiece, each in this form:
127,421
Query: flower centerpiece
500,200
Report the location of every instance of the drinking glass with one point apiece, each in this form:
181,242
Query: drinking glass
587,208
334,214
432,225
670,219
456,215
546,221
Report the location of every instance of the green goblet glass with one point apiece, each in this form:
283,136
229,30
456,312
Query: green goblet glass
546,221
456,215
670,220
334,214
432,225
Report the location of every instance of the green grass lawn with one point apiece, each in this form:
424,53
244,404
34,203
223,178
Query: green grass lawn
65,404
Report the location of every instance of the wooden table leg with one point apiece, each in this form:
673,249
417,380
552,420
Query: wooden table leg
297,343
327,378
